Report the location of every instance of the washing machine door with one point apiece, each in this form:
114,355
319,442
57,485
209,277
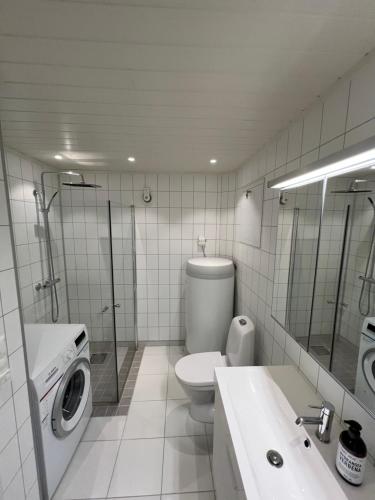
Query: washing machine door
368,366
71,398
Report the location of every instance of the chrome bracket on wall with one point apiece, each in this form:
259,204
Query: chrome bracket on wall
46,284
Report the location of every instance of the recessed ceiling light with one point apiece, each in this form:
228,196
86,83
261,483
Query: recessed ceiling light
213,161
58,157
131,159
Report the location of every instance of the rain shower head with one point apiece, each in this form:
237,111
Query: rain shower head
81,184
353,188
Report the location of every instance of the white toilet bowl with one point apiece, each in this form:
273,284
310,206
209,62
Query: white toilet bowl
196,372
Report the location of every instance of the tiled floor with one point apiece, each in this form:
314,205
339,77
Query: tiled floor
104,385
344,363
156,452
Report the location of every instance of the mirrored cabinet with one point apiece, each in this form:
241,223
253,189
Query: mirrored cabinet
324,281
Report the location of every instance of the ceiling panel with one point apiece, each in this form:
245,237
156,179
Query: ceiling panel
174,82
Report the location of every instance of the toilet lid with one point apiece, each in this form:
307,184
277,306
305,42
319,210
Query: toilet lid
198,369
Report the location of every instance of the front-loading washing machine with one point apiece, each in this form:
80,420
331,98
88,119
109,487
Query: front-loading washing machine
59,364
365,379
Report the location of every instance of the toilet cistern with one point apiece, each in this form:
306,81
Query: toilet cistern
324,421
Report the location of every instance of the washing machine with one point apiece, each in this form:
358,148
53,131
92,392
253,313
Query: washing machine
59,365
365,379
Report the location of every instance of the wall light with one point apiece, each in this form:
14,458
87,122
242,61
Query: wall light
58,157
348,160
213,161
131,159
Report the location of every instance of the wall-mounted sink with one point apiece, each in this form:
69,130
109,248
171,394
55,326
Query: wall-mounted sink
268,455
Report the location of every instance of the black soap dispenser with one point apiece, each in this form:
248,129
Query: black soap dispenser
351,454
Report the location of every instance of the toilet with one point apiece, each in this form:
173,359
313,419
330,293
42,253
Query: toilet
196,372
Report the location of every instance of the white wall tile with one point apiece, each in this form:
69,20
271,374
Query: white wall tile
295,140
9,462
362,98
311,128
335,112
6,257
331,390
7,423
13,333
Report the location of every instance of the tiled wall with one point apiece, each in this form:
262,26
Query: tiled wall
346,115
360,242
292,302
29,230
18,476
183,207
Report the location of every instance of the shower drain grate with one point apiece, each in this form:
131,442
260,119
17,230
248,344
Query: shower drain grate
320,350
98,358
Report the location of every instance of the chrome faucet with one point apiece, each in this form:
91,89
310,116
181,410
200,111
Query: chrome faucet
324,421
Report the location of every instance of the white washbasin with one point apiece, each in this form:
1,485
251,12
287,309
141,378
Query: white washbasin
260,418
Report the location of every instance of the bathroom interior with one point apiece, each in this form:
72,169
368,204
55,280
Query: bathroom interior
187,250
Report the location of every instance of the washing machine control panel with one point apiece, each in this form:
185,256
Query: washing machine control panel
54,371
368,327
69,354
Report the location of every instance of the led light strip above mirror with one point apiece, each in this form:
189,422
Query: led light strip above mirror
357,157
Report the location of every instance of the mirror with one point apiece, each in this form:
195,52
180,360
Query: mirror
295,261
324,283
344,287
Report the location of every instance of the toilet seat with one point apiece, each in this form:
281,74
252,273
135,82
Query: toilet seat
198,370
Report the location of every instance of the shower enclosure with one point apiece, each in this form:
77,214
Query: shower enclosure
98,271
99,240
345,275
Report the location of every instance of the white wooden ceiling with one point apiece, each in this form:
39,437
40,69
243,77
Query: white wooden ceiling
171,82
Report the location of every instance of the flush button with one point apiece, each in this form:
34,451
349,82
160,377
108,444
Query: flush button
242,322
274,458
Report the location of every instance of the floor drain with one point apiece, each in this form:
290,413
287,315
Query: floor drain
98,358
274,458
320,350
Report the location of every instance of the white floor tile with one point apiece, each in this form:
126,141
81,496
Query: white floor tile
104,429
178,420
154,365
89,472
138,469
150,388
177,350
202,495
146,419
173,358
175,390
156,350
186,465
140,498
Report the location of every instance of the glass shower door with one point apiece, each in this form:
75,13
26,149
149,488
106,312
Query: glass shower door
123,269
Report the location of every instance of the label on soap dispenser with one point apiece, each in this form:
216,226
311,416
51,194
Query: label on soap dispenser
351,468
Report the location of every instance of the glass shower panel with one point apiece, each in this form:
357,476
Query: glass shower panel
302,214
329,300
89,271
122,230
356,285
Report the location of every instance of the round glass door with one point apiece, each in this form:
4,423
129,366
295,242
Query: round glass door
71,398
368,365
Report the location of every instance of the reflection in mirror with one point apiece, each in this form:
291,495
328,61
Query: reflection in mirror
345,284
295,262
